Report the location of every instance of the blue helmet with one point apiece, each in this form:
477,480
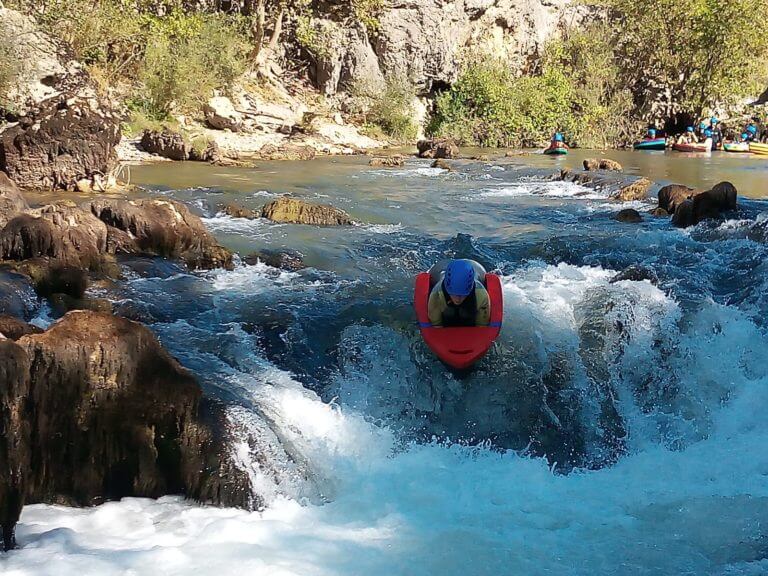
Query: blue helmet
652,131
558,137
752,129
689,129
703,125
708,133
744,136
459,278
714,120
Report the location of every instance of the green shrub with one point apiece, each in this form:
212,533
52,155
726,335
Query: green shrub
389,112
187,57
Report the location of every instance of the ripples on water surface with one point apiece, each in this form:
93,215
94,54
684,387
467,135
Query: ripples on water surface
615,428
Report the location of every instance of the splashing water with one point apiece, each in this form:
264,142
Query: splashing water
617,427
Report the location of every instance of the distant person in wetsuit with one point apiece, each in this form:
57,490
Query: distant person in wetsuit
717,133
459,298
688,137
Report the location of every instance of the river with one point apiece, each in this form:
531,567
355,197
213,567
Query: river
615,427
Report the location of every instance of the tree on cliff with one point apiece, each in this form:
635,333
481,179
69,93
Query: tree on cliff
690,54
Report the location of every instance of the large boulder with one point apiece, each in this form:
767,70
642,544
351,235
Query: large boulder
220,114
637,190
11,200
629,216
106,386
294,211
160,227
672,195
591,164
14,328
437,148
706,205
64,140
165,143
287,152
65,234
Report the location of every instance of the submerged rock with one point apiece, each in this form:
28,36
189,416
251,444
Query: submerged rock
602,164
629,216
104,385
442,165
637,190
237,211
659,212
165,143
568,175
437,148
636,273
387,162
294,211
284,259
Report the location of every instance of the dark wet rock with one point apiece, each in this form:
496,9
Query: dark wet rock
442,164
480,158
63,303
11,200
706,205
13,328
17,294
54,277
164,228
208,152
672,195
287,152
65,139
15,425
387,162
294,211
237,211
591,164
68,235
659,212
629,216
284,259
568,175
120,241
437,148
104,385
637,190
636,273
165,143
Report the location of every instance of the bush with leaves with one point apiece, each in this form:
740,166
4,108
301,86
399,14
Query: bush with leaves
388,112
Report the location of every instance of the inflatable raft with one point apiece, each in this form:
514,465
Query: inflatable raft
705,146
556,150
742,147
458,347
651,144
757,148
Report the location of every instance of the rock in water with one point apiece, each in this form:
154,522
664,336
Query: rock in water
659,212
706,205
105,386
64,140
637,190
636,273
629,216
294,211
442,165
13,328
387,162
11,200
672,195
283,259
602,164
237,211
164,228
437,148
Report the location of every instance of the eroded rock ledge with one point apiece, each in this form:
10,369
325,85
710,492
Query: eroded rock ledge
95,409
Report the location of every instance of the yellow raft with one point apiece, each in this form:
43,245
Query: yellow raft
757,148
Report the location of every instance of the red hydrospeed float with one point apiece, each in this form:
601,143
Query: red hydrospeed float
458,347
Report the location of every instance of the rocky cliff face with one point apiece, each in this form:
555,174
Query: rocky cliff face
425,41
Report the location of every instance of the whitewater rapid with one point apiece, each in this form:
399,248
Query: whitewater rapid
616,427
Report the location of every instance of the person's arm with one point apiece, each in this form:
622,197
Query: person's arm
483,306
436,305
